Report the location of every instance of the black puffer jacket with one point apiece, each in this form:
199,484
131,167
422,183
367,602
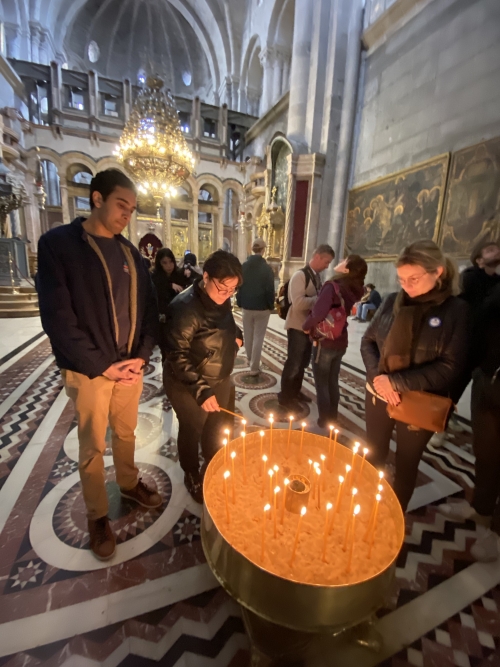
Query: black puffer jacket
200,344
440,353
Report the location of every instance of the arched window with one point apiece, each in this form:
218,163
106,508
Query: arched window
51,183
205,196
82,177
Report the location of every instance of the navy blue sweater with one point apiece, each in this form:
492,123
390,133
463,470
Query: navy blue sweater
76,303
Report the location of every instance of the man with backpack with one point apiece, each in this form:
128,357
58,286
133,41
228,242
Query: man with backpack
298,298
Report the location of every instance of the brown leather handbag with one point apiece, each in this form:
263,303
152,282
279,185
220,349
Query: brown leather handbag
423,410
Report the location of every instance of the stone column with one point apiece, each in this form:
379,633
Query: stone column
194,228
277,77
287,235
167,223
13,39
63,186
242,241
132,230
219,227
299,79
285,84
267,61
35,42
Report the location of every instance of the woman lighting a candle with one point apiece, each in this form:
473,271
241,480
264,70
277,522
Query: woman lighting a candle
202,341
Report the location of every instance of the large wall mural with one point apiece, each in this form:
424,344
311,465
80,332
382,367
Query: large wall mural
472,209
394,211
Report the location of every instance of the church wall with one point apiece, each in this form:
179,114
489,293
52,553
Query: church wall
430,88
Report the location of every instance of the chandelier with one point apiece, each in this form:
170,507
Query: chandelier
152,147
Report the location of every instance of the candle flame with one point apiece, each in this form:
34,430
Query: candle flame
310,462
244,421
341,479
354,491
270,472
303,511
357,510
323,457
315,464
267,507
329,506
365,451
262,434
271,415
226,431
381,474
380,487
275,468
347,468
264,458
226,474
336,430
271,419
243,434
378,497
318,471
233,455
291,418
224,442
356,447
303,424
330,427
286,481
277,489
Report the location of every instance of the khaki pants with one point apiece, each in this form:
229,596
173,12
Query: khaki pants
254,331
98,402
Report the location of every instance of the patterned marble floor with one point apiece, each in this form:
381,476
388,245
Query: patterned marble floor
157,602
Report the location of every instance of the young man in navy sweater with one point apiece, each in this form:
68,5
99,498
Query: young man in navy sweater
98,309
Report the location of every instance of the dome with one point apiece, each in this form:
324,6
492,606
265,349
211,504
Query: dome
121,38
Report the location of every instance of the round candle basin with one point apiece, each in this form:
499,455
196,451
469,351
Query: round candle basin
306,593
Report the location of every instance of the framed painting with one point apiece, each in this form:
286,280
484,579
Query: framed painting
472,207
386,215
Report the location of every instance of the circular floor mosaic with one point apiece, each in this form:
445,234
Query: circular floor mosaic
149,391
247,381
148,369
127,519
240,362
263,404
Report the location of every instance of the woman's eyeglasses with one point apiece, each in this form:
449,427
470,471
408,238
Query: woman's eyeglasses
412,281
223,292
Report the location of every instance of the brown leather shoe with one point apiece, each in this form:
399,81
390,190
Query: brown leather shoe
102,540
143,495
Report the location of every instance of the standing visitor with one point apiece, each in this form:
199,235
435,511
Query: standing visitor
303,290
337,297
485,412
191,270
202,341
417,341
169,281
98,310
479,280
256,298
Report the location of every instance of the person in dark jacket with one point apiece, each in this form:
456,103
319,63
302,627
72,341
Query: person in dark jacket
485,412
201,344
98,309
370,301
327,354
417,341
479,280
256,298
168,279
190,269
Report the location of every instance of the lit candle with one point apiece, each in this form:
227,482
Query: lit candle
357,509
224,444
243,438
335,444
323,459
302,513
309,469
365,452
266,509
276,491
313,481
276,471
325,536
227,433
353,492
233,456
379,498
226,475
330,443
337,504
264,461
318,473
289,435
354,452
243,423
270,472
286,482
271,421
347,471
302,440
374,513
262,434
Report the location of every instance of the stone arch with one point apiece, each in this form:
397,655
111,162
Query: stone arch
276,20
215,182
75,157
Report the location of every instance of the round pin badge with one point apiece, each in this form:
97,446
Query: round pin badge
435,322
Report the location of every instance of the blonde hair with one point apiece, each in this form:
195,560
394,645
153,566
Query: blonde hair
430,257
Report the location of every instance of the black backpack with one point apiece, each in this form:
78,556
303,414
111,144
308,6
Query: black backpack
282,301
